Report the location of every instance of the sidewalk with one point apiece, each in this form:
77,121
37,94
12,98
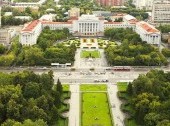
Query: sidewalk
74,113
118,115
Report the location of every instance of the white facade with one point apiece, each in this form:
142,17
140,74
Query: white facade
6,35
148,33
30,33
88,25
58,25
161,12
143,4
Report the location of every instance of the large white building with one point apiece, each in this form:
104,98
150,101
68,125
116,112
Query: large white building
161,11
86,25
148,33
30,33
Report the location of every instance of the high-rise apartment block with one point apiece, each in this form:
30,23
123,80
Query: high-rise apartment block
143,4
161,11
110,2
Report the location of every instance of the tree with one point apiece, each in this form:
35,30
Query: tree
31,90
59,87
152,119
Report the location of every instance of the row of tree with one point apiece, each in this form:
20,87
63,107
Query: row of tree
132,51
151,98
48,37
54,54
120,34
130,54
25,95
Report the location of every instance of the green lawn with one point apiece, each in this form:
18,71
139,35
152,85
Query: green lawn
66,87
122,86
85,54
93,87
95,110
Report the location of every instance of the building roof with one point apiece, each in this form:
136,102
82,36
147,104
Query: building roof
113,22
147,27
31,25
48,22
129,17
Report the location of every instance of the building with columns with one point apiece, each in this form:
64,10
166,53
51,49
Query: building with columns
148,33
88,25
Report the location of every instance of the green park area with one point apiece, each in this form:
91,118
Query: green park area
88,54
92,87
122,86
95,110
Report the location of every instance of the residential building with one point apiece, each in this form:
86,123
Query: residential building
74,12
6,35
161,12
110,2
102,13
148,33
8,14
28,18
47,17
143,4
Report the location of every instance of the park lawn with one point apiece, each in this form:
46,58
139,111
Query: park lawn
85,54
93,87
122,86
95,110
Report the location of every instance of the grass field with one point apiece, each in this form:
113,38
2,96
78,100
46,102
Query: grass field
66,87
95,110
122,86
92,87
95,54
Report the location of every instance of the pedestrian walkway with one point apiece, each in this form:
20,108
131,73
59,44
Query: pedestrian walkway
74,113
118,115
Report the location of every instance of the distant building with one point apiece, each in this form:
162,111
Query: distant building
0,17
28,18
110,2
47,17
74,12
117,16
8,14
143,4
161,12
102,13
148,33
6,35
129,18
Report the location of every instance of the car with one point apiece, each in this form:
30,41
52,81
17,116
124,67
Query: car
96,80
104,80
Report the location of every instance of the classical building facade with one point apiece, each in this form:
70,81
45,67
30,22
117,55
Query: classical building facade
148,33
161,11
86,25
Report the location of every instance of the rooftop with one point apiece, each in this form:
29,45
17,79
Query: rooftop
31,25
148,27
